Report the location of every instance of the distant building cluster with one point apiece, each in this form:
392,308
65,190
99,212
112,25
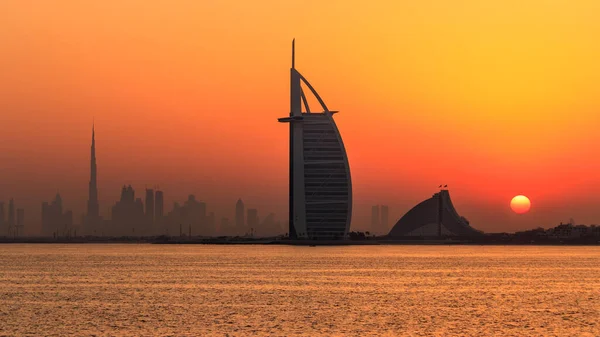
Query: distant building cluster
55,222
134,216
13,223
565,232
379,220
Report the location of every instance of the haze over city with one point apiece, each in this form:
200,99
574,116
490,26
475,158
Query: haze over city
492,99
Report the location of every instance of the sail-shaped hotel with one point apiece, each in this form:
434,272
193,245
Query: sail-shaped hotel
320,190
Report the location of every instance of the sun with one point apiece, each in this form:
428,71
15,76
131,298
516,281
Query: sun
520,204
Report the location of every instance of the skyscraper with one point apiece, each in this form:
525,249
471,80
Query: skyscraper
239,217
150,206
128,217
159,204
375,218
252,218
320,198
385,214
92,204
52,217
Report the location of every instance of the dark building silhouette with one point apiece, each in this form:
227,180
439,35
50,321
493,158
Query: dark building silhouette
435,216
128,216
150,207
269,227
20,226
11,216
320,190
384,223
211,222
192,216
54,221
252,218
92,218
159,215
173,219
159,204
225,227
239,218
375,221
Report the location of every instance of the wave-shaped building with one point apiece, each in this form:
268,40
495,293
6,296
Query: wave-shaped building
320,190
435,216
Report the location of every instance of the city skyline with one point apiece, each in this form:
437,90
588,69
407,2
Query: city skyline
494,99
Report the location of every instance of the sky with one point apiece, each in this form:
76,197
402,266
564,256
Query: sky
493,98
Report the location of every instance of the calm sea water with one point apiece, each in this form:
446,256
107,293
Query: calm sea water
200,290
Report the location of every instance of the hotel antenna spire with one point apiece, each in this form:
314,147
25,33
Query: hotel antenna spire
293,53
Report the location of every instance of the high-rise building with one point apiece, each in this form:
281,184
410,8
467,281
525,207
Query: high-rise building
239,217
159,204
54,220
92,205
128,217
92,220
320,190
269,227
252,218
385,214
375,218
224,225
150,206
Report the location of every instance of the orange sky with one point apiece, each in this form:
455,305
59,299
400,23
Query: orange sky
493,98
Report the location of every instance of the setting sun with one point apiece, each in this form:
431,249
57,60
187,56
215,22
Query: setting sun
520,204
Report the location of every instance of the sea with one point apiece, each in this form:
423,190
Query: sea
278,290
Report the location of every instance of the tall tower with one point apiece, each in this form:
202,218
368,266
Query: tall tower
385,215
159,205
320,188
92,206
239,216
150,206
375,218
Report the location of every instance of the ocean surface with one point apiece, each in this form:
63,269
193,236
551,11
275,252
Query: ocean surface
254,290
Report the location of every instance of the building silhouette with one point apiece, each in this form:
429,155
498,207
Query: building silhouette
55,222
150,208
92,218
192,216
252,219
128,217
320,189
159,215
224,227
240,227
379,219
375,220
211,222
435,216
385,215
159,205
269,227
